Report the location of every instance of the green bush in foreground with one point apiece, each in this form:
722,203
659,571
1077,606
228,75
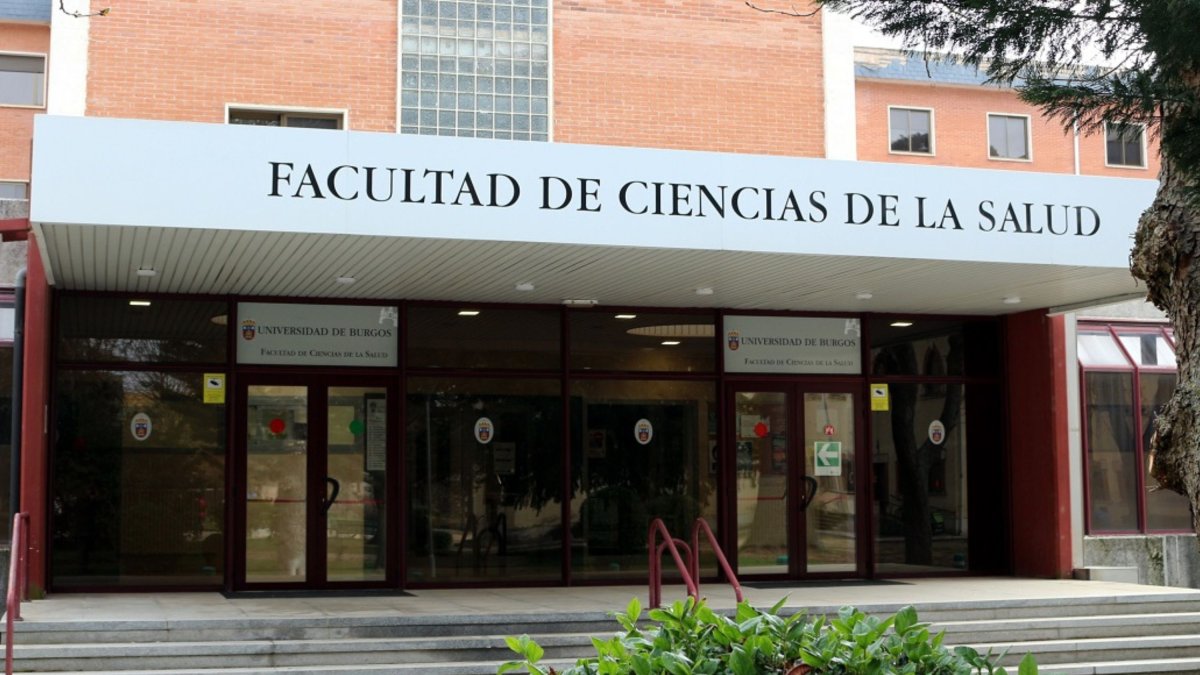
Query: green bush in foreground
691,639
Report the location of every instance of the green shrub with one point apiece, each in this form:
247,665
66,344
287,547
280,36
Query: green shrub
691,639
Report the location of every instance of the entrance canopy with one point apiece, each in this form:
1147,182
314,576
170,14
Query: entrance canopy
295,212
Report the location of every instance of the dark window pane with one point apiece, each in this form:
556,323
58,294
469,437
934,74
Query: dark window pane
920,494
1111,452
927,347
997,143
608,340
93,329
484,506
441,337
138,485
14,190
623,480
313,122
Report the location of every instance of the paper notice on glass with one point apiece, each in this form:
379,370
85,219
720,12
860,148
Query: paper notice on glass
376,434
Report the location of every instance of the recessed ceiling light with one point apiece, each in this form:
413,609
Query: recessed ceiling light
625,317
864,295
525,286
468,312
901,324
704,290
220,319
670,343
1012,300
580,302
139,303
345,280
147,272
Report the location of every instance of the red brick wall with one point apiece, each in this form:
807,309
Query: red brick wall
960,130
712,75
16,124
185,59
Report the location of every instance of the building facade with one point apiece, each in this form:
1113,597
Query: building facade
397,294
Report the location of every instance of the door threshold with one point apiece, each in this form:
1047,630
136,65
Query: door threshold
311,593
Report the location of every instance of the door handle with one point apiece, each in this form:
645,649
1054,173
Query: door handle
328,501
810,492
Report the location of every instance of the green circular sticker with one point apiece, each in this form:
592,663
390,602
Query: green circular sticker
356,427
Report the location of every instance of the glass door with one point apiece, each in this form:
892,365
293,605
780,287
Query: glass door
795,488
314,466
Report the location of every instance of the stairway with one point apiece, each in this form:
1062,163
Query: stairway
1151,633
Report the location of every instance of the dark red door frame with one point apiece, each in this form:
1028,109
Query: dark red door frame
794,388
318,385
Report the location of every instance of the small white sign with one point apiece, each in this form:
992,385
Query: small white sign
643,431
827,458
484,431
937,432
789,344
317,335
141,426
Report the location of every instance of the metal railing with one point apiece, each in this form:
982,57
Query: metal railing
689,569
701,525
656,549
18,568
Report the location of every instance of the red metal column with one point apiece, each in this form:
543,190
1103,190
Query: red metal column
1037,443
34,450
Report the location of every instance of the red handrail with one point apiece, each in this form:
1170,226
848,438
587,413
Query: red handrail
670,544
18,567
702,525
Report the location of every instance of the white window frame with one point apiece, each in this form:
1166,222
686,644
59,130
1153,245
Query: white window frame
18,180
285,110
1028,137
1135,167
45,79
932,131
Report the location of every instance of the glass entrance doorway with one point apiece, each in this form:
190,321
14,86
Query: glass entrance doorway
795,489
314,459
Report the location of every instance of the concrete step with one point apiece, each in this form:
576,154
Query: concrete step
289,653
1071,627
1098,650
1147,667
452,668
394,626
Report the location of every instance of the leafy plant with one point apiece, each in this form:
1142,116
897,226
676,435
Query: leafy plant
688,638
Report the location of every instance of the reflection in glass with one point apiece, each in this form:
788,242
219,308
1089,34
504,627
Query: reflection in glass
356,463
604,340
486,475
829,460
1165,509
920,469
1112,462
640,450
170,330
513,339
761,446
276,483
138,488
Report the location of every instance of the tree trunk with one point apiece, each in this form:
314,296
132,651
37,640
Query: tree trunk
1165,258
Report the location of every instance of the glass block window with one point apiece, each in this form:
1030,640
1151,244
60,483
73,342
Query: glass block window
477,69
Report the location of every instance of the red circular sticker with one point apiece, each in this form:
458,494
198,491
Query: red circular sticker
761,430
829,430
276,426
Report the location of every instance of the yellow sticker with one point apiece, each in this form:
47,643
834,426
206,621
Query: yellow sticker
879,398
214,387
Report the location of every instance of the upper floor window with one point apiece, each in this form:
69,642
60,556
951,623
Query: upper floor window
910,130
14,189
475,68
23,80
1008,137
287,118
1125,145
